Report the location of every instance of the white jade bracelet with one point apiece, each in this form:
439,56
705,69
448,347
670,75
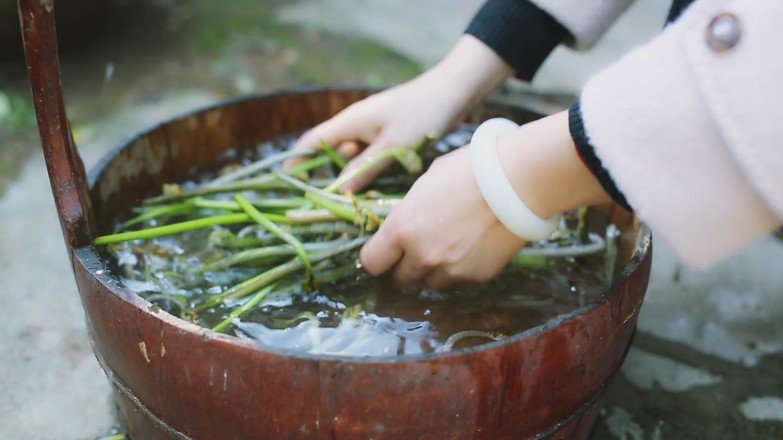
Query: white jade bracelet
497,190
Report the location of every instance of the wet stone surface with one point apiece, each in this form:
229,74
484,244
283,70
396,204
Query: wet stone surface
706,362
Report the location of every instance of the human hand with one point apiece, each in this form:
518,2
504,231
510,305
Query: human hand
403,115
397,117
442,232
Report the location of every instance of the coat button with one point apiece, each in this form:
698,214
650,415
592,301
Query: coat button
723,32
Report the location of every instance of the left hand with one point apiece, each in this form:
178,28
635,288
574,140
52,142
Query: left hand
442,232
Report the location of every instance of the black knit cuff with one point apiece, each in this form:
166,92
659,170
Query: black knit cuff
587,153
519,32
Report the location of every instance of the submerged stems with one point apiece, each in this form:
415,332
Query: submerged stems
336,158
261,183
265,203
188,225
406,156
158,211
174,228
277,230
270,276
305,188
336,208
309,164
263,252
256,167
247,305
193,204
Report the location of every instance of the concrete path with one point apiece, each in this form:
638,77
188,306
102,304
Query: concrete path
52,386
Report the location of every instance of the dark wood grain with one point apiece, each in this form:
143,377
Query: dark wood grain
65,167
544,384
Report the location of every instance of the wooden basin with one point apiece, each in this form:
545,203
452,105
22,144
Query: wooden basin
173,379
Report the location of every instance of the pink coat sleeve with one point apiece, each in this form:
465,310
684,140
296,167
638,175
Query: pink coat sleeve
586,20
692,134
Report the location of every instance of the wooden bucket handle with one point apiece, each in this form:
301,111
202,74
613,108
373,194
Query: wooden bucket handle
63,163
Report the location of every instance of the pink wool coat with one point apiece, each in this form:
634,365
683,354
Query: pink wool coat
689,125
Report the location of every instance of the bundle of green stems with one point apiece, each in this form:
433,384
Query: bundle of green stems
299,209
309,231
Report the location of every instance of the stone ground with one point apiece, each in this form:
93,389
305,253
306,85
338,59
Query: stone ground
706,363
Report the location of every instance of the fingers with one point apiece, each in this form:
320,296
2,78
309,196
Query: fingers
341,131
387,251
380,253
367,175
348,125
409,270
349,148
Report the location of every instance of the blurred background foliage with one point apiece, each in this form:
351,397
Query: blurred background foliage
120,53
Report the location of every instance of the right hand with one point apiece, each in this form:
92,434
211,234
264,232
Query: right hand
443,232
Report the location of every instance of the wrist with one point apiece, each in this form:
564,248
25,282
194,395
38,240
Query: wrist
542,164
495,187
470,71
